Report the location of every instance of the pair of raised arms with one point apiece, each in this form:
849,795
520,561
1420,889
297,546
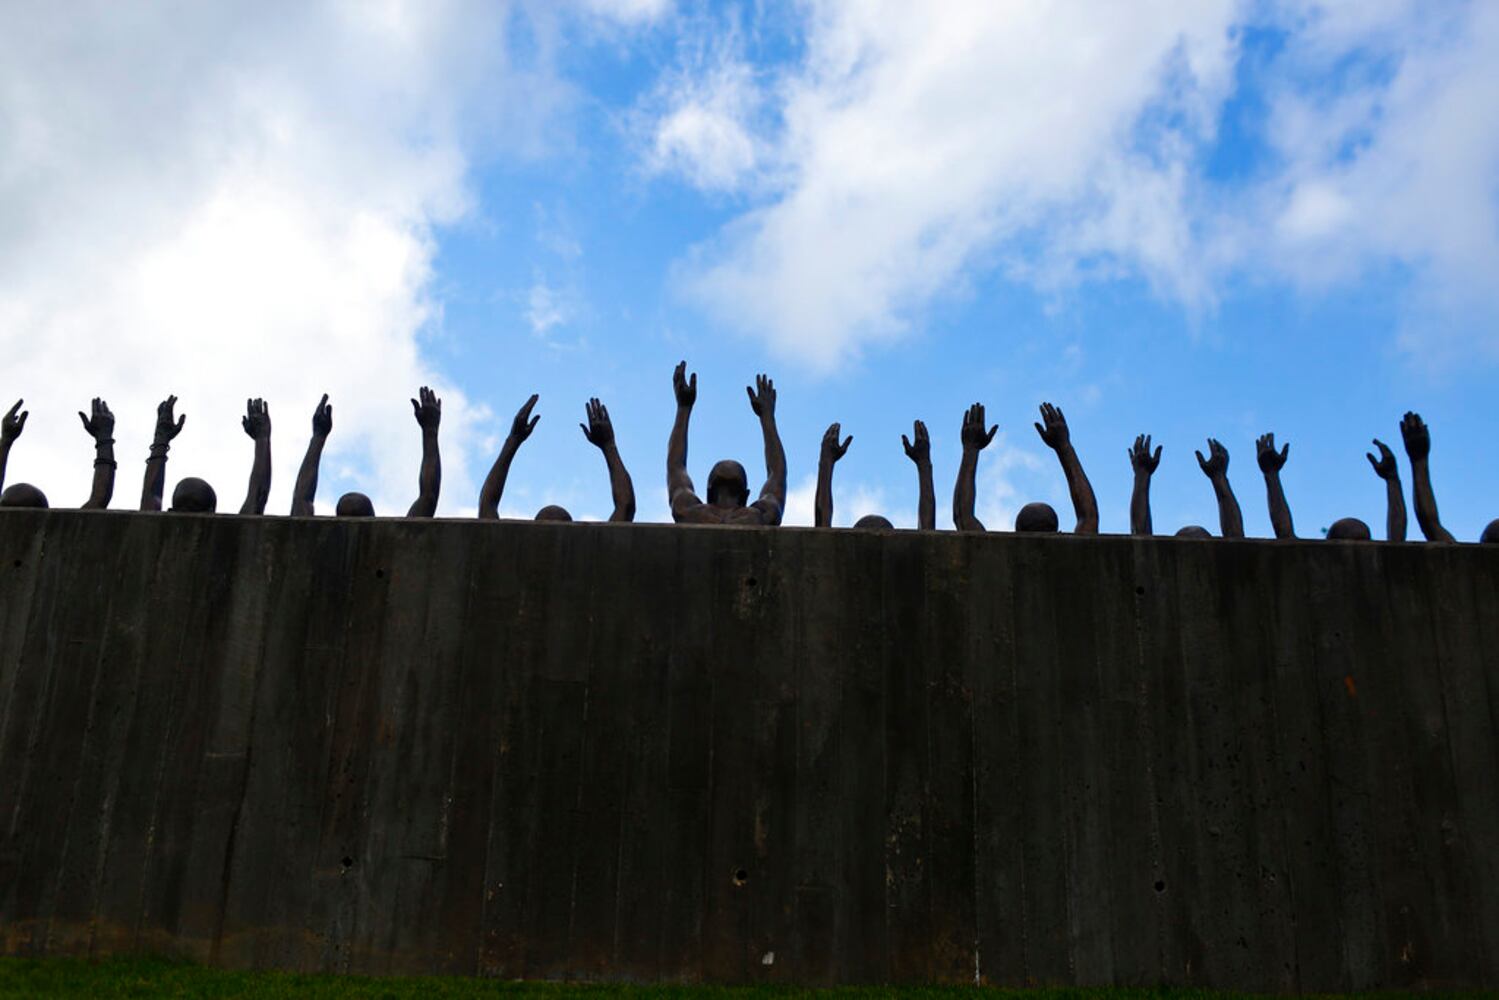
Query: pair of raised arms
99,425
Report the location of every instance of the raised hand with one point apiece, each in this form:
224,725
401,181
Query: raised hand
1417,436
1384,466
257,419
685,388
599,431
974,436
13,423
831,449
762,398
101,426
1264,451
1140,458
921,451
1054,432
322,418
166,429
1216,464
523,424
428,411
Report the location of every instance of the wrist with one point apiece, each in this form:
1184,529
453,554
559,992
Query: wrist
159,449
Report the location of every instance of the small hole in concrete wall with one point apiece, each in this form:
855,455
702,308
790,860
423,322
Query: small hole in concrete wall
379,574
1139,591
348,862
741,876
750,582
1160,886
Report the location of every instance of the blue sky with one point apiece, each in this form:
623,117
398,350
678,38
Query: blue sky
1183,219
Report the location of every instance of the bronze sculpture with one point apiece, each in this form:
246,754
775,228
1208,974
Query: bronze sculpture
11,426
975,439
428,413
1349,529
1037,518
306,487
600,433
1386,468
1215,467
1144,465
1054,431
1490,534
494,483
257,424
1271,462
1418,447
831,452
920,452
728,484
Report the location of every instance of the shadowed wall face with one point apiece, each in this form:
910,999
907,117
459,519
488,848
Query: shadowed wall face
614,751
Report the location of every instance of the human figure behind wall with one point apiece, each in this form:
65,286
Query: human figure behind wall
975,439
1215,467
1418,447
828,456
257,426
1270,463
11,426
919,451
1144,465
728,484
1055,433
599,432
494,483
1386,468
191,495
99,425
428,413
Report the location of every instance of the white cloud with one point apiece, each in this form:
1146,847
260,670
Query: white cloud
546,307
221,203
628,11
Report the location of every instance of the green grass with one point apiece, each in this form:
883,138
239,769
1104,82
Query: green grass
155,977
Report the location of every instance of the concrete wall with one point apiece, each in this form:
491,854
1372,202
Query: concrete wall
725,754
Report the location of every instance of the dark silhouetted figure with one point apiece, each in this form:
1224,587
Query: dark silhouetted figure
1215,467
257,424
101,427
873,522
1053,430
354,505
22,495
1144,464
494,483
1271,462
194,496
1037,518
728,484
1386,468
156,462
1490,534
832,451
428,412
11,426
551,512
1193,531
306,488
975,439
600,433
920,452
1349,529
1418,448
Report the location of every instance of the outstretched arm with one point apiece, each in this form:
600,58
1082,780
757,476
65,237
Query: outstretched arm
1418,447
257,424
831,451
1271,462
1144,464
1215,467
428,415
975,440
156,462
1386,468
11,426
494,483
600,433
306,488
921,453
101,427
679,491
772,502
1059,439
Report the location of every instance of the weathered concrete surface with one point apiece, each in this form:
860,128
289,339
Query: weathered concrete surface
655,752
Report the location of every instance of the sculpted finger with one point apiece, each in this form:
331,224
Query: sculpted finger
1157,452
1040,430
15,409
992,431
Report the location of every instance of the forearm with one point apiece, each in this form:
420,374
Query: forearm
156,476
822,508
775,463
306,489
494,483
1139,506
431,477
4,457
259,488
1230,518
1280,511
1084,503
104,476
676,451
620,485
1426,504
926,504
963,493
1394,511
